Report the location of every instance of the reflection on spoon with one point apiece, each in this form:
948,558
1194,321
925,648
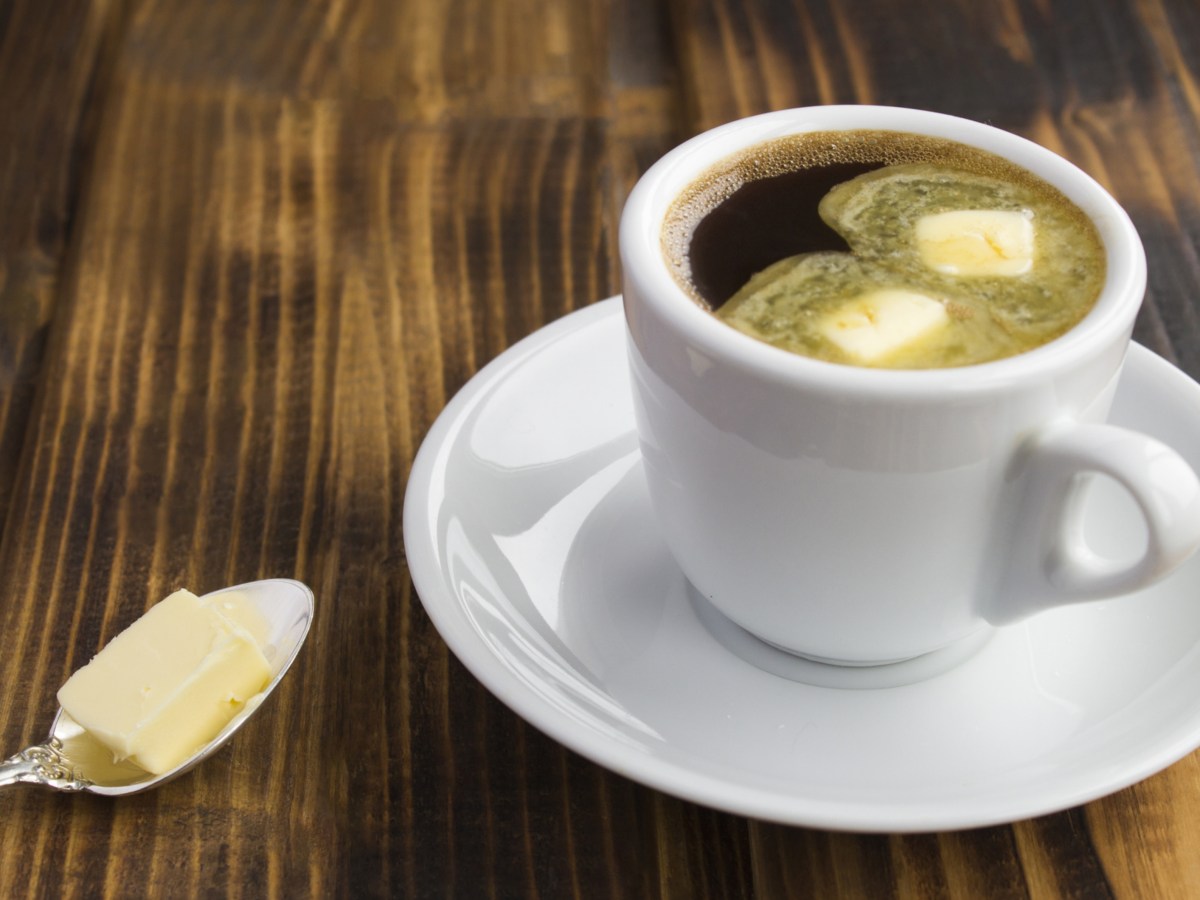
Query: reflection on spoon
73,760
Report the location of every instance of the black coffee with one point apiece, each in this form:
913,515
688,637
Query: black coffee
762,222
884,249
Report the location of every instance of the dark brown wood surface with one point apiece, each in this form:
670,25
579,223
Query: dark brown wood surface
249,249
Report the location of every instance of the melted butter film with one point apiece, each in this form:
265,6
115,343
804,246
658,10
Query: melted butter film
1013,263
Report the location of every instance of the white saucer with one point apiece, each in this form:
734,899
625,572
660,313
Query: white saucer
532,546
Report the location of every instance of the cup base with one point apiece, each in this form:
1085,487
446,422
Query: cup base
831,673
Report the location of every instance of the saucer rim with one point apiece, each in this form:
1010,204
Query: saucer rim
673,775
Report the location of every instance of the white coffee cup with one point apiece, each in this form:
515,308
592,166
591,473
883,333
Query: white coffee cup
863,516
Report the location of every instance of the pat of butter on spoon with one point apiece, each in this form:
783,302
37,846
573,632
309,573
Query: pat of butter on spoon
258,631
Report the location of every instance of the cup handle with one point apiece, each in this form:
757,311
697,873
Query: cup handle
1049,562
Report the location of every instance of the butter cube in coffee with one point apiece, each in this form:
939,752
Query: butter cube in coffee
977,241
875,325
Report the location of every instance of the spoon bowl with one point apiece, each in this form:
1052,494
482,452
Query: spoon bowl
72,760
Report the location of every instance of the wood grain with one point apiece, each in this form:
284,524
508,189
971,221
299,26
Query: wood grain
52,82
248,250
284,279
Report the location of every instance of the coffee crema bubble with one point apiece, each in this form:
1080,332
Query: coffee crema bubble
884,249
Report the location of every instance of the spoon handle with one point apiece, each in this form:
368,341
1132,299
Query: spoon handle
42,764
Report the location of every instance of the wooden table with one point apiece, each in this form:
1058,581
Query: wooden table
249,249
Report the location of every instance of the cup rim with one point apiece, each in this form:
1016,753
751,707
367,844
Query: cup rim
640,245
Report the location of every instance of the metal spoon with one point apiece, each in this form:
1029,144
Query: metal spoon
72,760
